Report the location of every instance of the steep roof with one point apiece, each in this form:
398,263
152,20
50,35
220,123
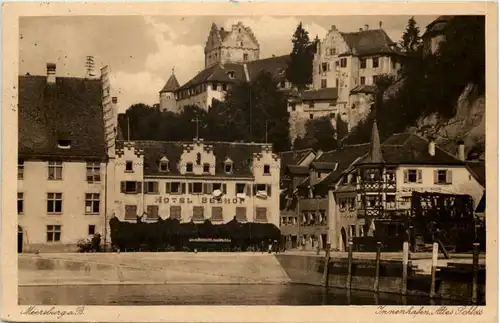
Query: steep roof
297,170
294,157
478,170
326,94
70,109
240,153
375,153
481,206
171,85
344,157
216,73
369,42
364,89
437,25
276,66
324,165
406,148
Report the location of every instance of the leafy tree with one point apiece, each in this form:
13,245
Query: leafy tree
300,69
411,39
320,134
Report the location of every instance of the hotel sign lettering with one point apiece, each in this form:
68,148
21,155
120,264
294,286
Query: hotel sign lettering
421,189
202,200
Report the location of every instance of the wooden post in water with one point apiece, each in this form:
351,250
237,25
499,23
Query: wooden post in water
377,268
405,267
475,270
327,265
435,249
349,265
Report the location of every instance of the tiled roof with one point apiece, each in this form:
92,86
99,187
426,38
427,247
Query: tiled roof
326,94
276,66
477,168
344,157
297,170
171,85
364,89
406,148
437,25
369,42
324,165
240,153
70,109
216,73
294,157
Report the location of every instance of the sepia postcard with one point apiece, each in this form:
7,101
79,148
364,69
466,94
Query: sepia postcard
249,162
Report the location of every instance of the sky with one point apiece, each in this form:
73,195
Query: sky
141,51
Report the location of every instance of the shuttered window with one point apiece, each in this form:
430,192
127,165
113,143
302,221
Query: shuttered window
130,212
151,188
262,188
217,213
241,214
152,212
442,176
175,188
175,212
198,215
413,176
261,214
131,187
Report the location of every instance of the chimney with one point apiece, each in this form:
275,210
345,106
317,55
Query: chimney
366,27
51,73
432,146
360,29
461,150
380,24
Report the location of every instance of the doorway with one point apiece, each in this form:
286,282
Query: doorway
19,239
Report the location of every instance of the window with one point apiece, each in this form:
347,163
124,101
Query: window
394,63
151,188
196,188
164,166
332,115
130,212
92,202
130,187
324,67
413,176
93,172
261,214
375,62
175,212
241,214
362,80
442,176
64,144
152,212
54,202
262,188
363,63
206,168
198,214
343,62
217,213
375,79
337,83
323,83
55,170
91,229
20,169
240,188
267,170
311,116
230,74
282,84
189,167
129,166
175,188
224,87
53,233
228,167
245,57
20,203
332,51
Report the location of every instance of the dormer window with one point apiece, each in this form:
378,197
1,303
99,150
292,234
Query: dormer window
164,165
189,167
228,166
206,168
230,74
64,144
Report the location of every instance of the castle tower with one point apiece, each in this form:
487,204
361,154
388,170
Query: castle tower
167,95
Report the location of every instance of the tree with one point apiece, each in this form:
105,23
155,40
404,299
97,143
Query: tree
411,39
300,69
320,134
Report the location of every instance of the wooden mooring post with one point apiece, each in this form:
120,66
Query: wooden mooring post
349,265
327,265
405,267
435,250
475,271
377,268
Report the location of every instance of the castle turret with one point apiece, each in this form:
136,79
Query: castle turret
167,95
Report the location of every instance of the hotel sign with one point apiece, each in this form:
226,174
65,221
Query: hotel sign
420,189
202,200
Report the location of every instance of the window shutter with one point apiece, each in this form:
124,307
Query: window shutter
254,189
405,176
138,187
210,188
168,188
156,187
183,188
146,187
449,179
224,188
419,176
205,188
268,188
122,186
190,188
249,189
436,176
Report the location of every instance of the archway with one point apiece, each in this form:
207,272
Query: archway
19,239
344,238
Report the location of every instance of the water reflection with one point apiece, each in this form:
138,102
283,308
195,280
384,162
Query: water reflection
206,295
